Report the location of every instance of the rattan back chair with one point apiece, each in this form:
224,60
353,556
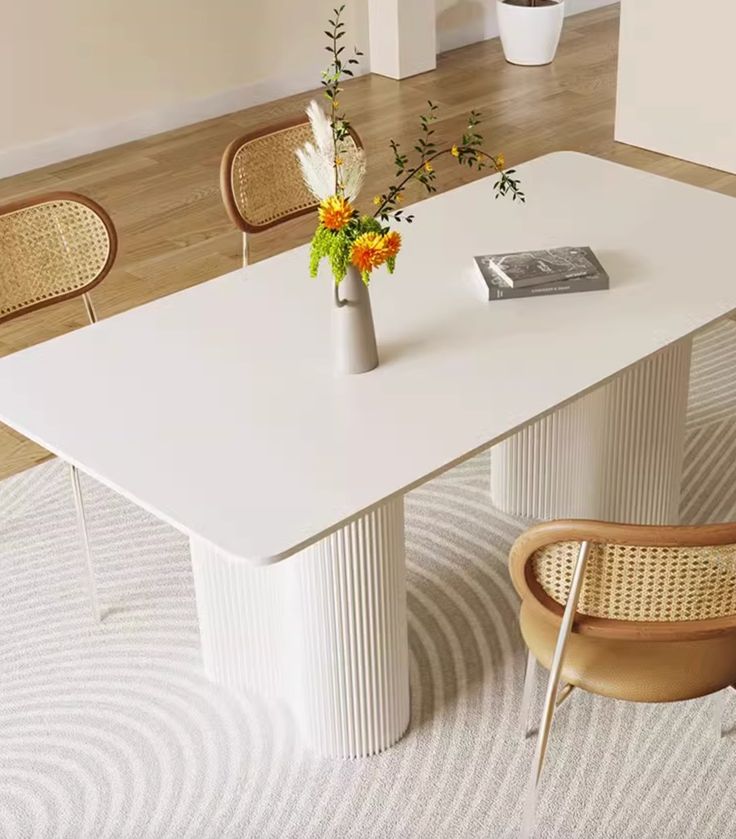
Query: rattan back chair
52,248
633,612
261,180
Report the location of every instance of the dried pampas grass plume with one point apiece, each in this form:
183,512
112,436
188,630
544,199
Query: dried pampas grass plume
317,160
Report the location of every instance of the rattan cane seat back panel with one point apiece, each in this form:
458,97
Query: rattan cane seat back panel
51,250
262,180
267,182
634,583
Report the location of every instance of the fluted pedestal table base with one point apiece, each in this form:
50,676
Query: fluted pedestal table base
325,631
614,454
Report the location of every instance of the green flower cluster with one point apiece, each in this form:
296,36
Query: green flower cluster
336,245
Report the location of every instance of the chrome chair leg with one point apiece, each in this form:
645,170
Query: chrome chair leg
91,314
551,696
245,249
564,694
718,706
530,683
84,539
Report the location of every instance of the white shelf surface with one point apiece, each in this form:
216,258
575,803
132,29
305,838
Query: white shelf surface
216,408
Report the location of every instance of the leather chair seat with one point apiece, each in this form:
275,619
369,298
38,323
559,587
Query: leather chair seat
638,671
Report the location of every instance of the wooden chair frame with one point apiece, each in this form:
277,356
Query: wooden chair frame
597,532
589,533
226,180
82,291
101,213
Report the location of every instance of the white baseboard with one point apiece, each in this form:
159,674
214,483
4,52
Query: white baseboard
452,34
94,138
472,23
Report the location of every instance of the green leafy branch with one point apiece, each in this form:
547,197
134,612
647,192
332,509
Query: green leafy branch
468,152
332,78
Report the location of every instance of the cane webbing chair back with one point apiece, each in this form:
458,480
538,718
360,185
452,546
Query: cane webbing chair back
260,176
635,575
52,247
633,612
643,583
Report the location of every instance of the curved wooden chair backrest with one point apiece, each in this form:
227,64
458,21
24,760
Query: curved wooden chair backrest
52,247
641,582
260,177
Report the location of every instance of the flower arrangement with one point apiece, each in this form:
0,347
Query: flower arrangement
334,170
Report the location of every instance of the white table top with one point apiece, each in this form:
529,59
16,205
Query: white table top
217,409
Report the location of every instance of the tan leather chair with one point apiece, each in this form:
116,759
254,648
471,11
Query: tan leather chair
631,612
54,247
261,180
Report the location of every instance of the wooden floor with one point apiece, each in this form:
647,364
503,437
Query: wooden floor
163,192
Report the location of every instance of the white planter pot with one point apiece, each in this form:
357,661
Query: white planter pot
530,34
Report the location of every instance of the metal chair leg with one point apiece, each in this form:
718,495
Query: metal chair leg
718,706
530,683
245,250
550,700
564,694
91,314
84,539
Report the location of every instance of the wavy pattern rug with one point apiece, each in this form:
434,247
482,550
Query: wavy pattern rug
112,730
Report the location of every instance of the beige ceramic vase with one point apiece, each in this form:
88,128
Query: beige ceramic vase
354,338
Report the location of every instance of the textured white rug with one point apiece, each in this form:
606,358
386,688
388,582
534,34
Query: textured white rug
113,731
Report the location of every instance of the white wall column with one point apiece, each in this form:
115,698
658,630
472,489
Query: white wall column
403,38
676,73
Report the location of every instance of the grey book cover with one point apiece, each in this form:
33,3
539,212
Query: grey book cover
498,290
531,268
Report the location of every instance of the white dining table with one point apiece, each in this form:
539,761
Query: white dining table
217,410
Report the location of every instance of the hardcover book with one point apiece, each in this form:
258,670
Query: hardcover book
531,268
497,289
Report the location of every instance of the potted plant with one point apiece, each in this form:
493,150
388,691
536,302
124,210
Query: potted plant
355,243
530,29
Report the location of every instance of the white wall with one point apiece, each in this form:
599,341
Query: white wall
76,75
80,75
677,69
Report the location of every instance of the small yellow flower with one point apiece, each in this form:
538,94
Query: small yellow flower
378,200
428,167
335,212
399,197
500,161
455,151
368,252
339,161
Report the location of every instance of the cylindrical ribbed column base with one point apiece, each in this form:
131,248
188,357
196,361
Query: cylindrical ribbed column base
353,646
325,630
645,439
614,454
552,468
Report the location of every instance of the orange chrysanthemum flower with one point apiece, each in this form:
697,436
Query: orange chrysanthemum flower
368,252
392,244
335,212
